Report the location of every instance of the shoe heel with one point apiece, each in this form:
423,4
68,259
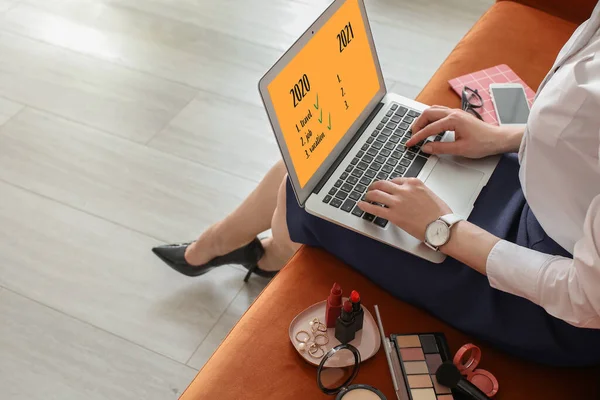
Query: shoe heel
250,272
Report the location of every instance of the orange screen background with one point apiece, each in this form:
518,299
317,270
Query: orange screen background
341,85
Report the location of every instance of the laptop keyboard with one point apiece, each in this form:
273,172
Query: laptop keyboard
383,156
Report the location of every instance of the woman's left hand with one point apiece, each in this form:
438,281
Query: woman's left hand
410,204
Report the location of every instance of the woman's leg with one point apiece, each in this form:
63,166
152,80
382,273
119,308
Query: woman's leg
280,248
253,216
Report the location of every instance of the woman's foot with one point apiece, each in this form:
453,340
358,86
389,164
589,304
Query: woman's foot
271,260
209,245
248,256
199,257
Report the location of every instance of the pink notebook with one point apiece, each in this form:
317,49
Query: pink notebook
481,80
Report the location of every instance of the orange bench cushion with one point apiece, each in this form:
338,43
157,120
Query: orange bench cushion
524,38
257,361
573,10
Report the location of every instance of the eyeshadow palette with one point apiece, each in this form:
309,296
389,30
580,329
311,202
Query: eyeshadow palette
417,357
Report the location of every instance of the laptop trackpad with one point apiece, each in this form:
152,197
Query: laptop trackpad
455,184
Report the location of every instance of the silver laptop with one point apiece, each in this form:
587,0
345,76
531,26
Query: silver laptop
339,130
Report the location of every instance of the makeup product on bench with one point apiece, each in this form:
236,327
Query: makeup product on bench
413,360
357,310
466,359
367,340
334,305
449,375
333,379
394,367
419,357
344,326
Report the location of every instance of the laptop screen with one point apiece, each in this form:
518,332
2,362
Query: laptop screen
319,94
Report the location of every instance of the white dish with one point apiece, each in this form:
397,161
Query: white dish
367,340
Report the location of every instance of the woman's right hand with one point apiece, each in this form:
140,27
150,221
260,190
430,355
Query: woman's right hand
473,138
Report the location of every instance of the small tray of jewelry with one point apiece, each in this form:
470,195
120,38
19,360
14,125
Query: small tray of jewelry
312,339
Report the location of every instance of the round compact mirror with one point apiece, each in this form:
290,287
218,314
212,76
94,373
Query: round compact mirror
467,358
337,370
332,375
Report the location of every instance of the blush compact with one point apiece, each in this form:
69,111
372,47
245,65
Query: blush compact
467,359
334,379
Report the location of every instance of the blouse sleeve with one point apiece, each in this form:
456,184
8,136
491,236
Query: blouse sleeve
566,288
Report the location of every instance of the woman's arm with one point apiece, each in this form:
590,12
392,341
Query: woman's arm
411,206
472,138
470,245
566,288
513,137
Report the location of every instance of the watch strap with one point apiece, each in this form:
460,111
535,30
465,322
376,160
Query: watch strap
451,219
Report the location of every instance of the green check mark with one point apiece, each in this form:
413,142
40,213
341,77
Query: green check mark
317,105
321,117
329,126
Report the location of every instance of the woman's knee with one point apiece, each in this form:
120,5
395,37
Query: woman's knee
280,166
281,235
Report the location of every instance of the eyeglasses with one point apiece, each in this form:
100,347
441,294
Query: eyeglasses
471,101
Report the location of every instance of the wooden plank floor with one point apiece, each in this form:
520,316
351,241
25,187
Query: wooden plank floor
129,123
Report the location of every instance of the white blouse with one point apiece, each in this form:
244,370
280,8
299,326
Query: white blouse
560,176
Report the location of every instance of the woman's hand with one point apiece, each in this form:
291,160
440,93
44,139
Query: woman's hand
410,204
473,137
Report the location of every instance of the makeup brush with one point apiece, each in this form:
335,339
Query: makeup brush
449,376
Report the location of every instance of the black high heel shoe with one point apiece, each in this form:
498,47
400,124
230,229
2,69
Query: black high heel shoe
174,256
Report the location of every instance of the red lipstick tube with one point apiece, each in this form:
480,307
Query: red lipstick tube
334,305
357,310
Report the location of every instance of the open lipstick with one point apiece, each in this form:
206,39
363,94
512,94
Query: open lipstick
357,310
344,326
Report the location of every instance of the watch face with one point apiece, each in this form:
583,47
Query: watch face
437,233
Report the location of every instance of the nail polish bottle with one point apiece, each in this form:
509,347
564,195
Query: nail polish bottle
334,305
344,325
357,310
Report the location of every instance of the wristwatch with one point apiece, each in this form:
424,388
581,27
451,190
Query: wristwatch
437,233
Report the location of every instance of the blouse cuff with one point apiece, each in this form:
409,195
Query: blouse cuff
515,269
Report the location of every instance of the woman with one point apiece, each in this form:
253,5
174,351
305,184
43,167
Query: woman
531,288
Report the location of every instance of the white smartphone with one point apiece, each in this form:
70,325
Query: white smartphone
510,103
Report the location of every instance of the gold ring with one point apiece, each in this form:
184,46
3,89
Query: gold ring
325,338
300,340
314,324
315,351
321,327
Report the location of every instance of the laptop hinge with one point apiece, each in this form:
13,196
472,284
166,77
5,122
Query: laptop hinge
347,149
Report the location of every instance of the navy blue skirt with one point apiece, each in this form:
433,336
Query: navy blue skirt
455,293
